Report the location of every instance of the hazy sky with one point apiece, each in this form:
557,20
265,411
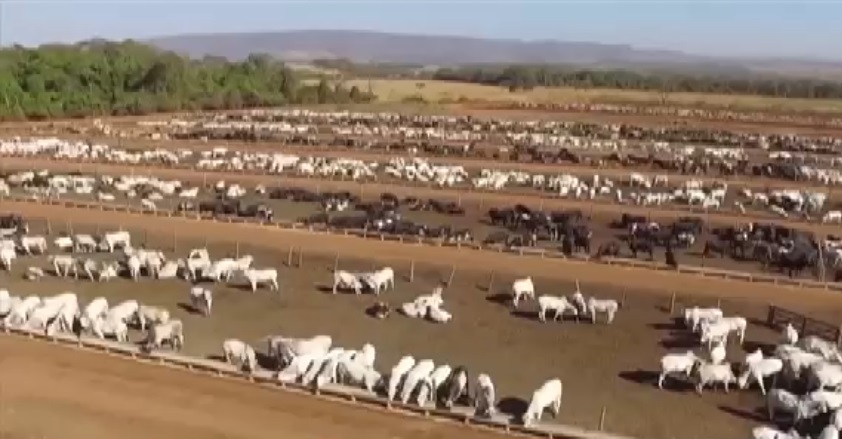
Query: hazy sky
738,27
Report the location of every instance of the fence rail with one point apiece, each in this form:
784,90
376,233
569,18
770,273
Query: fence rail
534,197
335,391
521,251
777,317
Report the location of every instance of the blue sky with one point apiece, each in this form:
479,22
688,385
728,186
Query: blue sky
715,27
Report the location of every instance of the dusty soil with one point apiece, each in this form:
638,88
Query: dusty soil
60,392
612,366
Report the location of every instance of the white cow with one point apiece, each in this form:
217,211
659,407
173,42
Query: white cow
97,308
201,299
240,354
84,243
109,271
824,375
352,372
718,353
7,255
285,349
344,279
790,335
676,363
111,240
404,365
63,265
758,369
65,319
558,305
30,243
547,396
64,243
418,374
43,314
605,306
171,332
485,397
256,277
148,314
112,327
431,385
714,373
21,310
522,288
168,271
123,311
381,279
693,317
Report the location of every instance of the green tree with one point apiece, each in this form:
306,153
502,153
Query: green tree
101,77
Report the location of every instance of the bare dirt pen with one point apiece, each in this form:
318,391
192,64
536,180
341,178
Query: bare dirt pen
611,366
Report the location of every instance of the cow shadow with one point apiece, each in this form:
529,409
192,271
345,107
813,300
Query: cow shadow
502,299
676,324
527,315
513,407
640,376
265,361
758,322
680,340
188,308
758,415
216,357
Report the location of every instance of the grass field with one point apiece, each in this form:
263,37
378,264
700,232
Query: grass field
402,90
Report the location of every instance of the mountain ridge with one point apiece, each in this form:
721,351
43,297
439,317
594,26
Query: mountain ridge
441,50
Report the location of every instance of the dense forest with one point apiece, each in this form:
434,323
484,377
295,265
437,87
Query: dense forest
528,77
98,78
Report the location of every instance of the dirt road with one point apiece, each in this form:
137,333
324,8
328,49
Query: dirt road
52,391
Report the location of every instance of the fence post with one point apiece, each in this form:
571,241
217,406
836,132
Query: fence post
803,331
412,270
623,299
452,273
237,249
336,262
289,257
490,286
672,303
770,316
300,257
839,335
70,228
719,303
602,419
49,227
175,241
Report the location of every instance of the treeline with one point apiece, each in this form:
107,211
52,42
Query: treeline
529,77
128,78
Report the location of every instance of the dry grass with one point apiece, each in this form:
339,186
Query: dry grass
402,90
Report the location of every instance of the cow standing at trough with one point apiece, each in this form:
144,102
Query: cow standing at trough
547,396
171,333
240,354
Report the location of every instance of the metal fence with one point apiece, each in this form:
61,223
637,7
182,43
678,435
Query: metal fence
777,317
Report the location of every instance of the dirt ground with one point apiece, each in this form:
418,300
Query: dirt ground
48,391
612,366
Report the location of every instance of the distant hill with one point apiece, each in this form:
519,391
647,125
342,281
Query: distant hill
381,47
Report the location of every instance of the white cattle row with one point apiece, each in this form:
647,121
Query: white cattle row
62,313
577,304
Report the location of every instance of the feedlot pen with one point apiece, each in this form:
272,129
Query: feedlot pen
602,366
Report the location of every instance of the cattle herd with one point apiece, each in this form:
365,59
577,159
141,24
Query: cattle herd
749,201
